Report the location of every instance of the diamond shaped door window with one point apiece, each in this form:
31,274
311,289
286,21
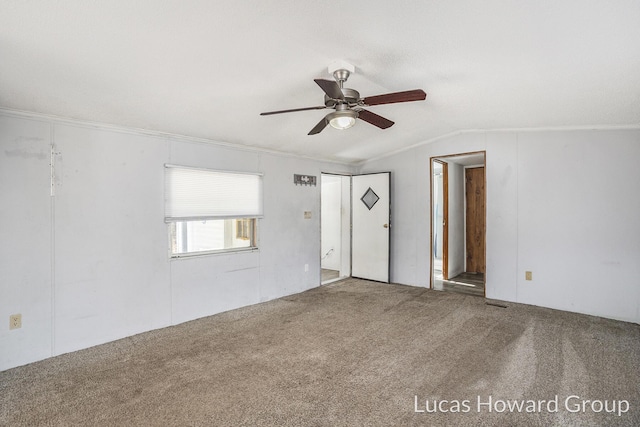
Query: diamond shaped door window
370,198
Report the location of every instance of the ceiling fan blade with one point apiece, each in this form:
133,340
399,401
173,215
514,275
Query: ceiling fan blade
391,98
374,119
268,113
319,127
331,88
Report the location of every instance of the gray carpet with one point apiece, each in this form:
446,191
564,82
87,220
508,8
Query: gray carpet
348,354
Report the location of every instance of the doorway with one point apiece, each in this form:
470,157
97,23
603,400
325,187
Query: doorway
458,223
335,227
355,213
439,192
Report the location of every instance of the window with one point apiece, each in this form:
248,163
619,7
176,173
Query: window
188,237
211,211
244,229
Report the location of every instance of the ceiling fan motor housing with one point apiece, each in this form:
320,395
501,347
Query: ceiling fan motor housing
351,97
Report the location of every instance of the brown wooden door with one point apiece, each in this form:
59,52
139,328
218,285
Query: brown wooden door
474,193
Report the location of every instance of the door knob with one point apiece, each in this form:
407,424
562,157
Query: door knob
386,226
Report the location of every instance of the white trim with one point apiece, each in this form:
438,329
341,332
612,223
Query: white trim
213,252
48,118
192,139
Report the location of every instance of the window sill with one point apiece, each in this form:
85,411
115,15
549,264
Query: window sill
210,253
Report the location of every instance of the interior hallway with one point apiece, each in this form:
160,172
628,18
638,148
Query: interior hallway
466,283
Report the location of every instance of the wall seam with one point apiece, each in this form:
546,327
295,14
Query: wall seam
52,236
168,243
258,235
517,216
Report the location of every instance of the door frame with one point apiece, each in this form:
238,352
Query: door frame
484,164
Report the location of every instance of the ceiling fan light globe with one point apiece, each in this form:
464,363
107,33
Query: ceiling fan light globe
342,118
342,122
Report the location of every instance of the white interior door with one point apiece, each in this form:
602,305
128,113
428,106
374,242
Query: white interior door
371,208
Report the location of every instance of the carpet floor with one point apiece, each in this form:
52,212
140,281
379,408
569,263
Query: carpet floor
466,283
327,274
353,353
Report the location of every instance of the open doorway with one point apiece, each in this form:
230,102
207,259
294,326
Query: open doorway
335,227
439,194
458,223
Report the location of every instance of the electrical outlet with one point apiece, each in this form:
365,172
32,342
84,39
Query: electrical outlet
306,267
528,275
15,321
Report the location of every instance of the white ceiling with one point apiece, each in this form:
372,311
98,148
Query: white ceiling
207,68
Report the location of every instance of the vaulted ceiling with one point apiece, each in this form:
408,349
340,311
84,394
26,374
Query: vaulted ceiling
207,69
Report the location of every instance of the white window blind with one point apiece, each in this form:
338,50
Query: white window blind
192,193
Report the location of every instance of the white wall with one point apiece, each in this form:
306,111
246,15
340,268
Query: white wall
578,228
111,275
437,215
331,221
91,265
456,255
562,204
25,241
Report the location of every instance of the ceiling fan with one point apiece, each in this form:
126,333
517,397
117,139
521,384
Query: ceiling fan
349,106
